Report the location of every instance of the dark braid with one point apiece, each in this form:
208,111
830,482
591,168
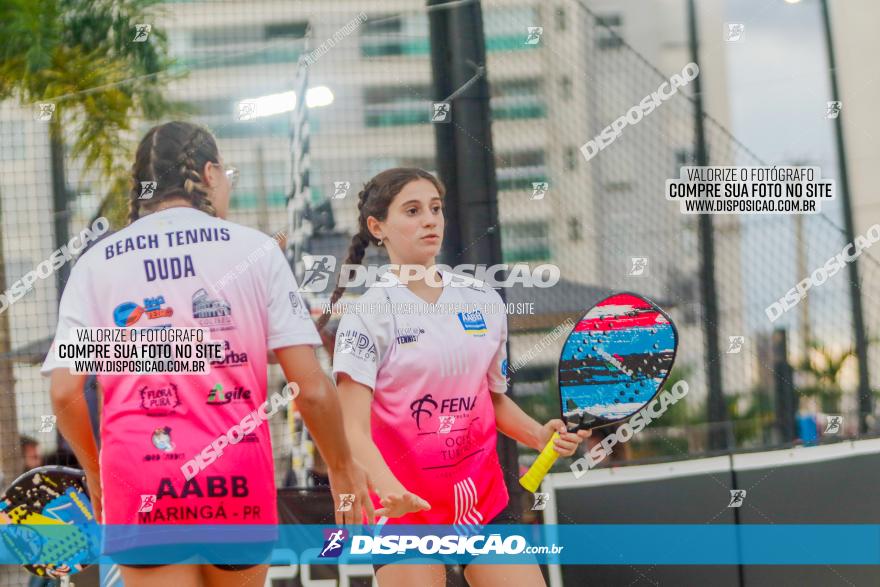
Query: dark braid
374,200
172,155
192,185
356,251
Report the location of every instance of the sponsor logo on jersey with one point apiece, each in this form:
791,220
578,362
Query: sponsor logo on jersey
356,343
298,305
159,400
153,308
473,323
423,408
214,486
128,313
409,335
218,397
215,314
230,357
162,439
167,508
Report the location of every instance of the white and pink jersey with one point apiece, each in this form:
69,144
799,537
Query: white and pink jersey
432,372
182,267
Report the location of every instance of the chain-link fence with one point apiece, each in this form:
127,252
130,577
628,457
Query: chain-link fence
605,221
558,76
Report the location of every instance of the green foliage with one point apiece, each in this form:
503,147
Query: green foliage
684,412
79,55
542,406
755,420
821,368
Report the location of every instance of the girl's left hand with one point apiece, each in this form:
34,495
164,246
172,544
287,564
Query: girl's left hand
567,443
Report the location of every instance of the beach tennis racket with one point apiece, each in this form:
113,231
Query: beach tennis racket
46,516
613,363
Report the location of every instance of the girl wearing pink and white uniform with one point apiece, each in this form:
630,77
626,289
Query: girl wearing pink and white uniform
424,391
164,270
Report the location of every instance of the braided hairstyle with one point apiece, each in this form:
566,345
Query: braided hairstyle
374,200
172,155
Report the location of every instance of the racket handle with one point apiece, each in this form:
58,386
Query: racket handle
533,477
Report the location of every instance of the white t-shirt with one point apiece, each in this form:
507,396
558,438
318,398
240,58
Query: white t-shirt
182,267
367,335
433,371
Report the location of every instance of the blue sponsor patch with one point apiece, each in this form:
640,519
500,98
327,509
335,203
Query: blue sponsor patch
126,314
504,367
473,322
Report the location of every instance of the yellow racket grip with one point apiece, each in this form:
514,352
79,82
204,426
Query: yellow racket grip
533,477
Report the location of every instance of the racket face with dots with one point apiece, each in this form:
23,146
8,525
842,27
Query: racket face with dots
615,361
35,506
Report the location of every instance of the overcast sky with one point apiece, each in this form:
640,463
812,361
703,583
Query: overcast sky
778,85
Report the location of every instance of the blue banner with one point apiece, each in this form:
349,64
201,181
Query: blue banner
660,544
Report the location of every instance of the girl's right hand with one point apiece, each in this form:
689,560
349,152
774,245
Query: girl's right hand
395,505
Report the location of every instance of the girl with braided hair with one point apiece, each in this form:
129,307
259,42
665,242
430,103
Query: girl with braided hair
170,268
424,390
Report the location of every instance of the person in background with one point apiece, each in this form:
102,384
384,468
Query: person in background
30,453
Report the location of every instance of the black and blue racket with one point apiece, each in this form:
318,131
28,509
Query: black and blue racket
47,517
613,363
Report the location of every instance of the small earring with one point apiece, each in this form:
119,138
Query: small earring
379,243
